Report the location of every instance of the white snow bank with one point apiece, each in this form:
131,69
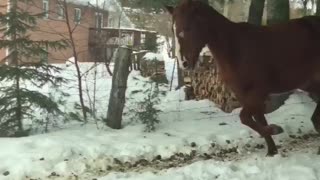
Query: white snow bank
153,56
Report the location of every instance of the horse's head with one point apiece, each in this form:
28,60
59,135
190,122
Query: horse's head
190,30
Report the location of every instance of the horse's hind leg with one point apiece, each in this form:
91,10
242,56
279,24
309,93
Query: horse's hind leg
315,118
313,90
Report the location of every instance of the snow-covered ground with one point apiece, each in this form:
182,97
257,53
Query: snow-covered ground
190,127
194,140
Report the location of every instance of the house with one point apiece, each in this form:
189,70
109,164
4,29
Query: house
84,17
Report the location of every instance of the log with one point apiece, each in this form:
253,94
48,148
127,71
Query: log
119,86
206,84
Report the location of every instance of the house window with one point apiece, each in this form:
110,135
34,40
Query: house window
45,7
143,38
77,15
60,11
99,20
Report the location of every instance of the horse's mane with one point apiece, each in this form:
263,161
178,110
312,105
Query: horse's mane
201,9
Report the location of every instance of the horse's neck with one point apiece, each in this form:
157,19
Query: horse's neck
220,36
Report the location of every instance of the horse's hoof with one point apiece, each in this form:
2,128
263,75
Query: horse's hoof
275,129
317,127
271,153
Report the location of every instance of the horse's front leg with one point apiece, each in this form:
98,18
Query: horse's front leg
263,130
261,126
272,149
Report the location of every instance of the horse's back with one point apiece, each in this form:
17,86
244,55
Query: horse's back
279,57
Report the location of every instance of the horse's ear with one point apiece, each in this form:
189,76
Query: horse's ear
170,9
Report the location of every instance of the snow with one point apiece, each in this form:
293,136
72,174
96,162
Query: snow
110,5
296,4
130,29
73,150
81,149
114,8
153,56
170,63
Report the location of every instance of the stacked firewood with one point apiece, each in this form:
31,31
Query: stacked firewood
206,84
154,69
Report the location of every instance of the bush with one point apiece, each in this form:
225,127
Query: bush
147,112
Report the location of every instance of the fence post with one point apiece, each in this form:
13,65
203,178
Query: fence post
131,61
119,86
139,58
134,62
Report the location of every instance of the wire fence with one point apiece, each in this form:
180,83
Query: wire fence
181,108
168,106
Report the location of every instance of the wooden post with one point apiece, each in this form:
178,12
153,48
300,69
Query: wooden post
119,86
131,62
135,62
139,57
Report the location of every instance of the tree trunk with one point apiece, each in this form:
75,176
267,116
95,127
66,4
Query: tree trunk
76,59
15,61
278,11
205,1
318,8
119,86
256,12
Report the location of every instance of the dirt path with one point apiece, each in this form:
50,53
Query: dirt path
308,143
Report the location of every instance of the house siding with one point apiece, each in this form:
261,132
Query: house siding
55,29
3,10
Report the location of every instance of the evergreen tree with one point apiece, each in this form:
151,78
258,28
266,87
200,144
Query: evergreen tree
205,1
25,64
278,11
146,110
318,8
256,12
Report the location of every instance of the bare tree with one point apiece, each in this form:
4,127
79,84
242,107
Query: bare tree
305,6
71,29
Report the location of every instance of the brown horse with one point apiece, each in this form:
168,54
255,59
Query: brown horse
254,61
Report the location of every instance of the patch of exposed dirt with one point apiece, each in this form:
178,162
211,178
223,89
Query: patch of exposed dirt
307,143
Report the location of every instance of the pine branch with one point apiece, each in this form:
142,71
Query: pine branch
16,102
